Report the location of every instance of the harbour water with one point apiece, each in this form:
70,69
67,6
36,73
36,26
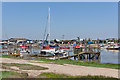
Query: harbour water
106,56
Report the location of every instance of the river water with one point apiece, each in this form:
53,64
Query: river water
110,56
106,56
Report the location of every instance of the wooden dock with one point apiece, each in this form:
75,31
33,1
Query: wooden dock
83,55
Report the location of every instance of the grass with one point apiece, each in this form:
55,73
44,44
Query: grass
7,56
25,66
10,74
74,62
54,75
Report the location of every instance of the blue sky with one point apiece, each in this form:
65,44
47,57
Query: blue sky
84,19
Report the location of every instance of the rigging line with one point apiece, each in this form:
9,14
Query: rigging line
45,30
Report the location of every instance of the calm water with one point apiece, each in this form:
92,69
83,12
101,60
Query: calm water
108,56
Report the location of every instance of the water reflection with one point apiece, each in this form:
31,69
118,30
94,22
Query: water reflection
108,56
85,60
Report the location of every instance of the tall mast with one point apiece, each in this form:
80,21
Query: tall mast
49,25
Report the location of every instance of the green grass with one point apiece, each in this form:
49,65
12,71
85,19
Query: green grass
7,56
10,74
25,66
74,62
54,75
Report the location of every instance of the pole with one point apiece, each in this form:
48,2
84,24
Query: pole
49,24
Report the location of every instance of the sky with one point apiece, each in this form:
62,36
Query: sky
71,19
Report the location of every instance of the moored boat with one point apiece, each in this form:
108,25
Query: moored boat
61,47
113,47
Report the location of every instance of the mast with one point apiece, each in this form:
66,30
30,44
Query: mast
49,25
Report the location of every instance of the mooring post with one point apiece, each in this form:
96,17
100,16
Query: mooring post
81,56
87,56
90,56
68,54
80,50
98,56
74,58
18,51
94,48
84,56
78,57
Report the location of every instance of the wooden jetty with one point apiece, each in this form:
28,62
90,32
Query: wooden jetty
83,55
15,55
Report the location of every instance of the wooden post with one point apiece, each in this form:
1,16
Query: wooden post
87,56
18,51
90,56
68,53
78,57
98,44
89,46
80,50
83,56
94,48
8,50
74,58
97,56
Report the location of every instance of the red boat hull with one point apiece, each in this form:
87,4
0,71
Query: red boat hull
45,47
64,47
77,46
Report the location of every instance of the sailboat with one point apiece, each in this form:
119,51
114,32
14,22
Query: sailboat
46,50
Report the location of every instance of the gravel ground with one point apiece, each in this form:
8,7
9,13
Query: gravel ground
73,70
